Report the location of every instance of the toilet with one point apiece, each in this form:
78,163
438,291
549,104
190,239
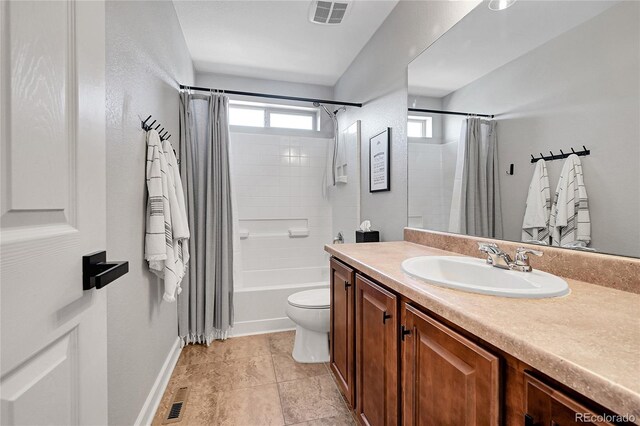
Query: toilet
310,311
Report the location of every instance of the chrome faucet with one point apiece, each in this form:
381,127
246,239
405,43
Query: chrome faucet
495,255
500,259
339,239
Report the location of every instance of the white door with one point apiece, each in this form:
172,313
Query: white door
52,112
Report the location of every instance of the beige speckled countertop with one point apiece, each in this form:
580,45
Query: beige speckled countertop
588,340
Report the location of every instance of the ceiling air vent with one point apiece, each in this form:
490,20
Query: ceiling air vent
328,12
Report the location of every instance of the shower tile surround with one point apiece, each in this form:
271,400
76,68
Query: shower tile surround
253,380
430,187
279,184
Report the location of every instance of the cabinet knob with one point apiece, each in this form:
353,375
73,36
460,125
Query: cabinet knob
346,284
385,317
404,332
528,420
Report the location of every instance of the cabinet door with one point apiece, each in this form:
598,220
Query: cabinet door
547,406
376,354
342,332
446,379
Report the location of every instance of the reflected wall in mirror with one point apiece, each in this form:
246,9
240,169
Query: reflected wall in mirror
549,76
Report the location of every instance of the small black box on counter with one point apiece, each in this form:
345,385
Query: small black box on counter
367,237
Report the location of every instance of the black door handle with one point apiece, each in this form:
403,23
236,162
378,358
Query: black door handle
346,284
385,317
97,272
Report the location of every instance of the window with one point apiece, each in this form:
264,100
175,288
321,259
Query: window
254,114
291,121
419,126
253,117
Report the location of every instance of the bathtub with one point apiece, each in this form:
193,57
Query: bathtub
260,301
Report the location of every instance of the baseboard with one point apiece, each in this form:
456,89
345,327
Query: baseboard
270,325
155,395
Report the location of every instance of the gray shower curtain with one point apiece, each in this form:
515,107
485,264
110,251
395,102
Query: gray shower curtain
205,306
475,205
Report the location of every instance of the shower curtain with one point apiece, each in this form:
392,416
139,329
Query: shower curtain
205,306
475,205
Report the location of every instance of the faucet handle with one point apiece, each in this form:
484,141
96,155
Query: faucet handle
522,251
522,260
487,244
487,247
491,249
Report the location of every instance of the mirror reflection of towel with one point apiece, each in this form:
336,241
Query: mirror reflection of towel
570,220
535,225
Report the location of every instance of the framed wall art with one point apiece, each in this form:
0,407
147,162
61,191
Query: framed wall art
379,162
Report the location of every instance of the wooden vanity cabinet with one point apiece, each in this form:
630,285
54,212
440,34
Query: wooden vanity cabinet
342,328
446,378
376,354
396,363
545,405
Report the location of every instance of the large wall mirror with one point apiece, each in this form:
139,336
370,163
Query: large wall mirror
557,80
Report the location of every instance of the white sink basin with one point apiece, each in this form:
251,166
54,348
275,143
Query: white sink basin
476,276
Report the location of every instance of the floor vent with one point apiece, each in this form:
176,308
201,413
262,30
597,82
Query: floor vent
174,415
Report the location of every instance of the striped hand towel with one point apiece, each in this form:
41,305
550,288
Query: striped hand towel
159,241
570,219
535,226
179,220
154,245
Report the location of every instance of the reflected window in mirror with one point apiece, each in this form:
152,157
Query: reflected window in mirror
419,126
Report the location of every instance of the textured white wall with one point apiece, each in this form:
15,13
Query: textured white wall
248,84
146,58
589,95
378,78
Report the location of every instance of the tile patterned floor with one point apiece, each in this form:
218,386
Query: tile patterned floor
254,381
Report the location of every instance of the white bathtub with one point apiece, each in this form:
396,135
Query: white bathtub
259,305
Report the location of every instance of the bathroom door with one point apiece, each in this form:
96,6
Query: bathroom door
52,126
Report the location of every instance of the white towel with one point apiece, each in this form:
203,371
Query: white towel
163,251
535,226
179,220
570,219
154,245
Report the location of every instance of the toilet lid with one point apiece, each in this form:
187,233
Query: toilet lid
310,299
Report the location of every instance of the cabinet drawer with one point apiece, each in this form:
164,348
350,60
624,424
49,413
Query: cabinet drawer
545,405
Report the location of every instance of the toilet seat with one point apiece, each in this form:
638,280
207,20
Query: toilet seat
311,299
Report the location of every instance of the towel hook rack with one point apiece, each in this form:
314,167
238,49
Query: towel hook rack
164,134
582,153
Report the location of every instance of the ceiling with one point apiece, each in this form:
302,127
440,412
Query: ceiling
486,40
274,39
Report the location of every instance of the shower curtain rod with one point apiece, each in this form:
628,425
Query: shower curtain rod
437,111
266,95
